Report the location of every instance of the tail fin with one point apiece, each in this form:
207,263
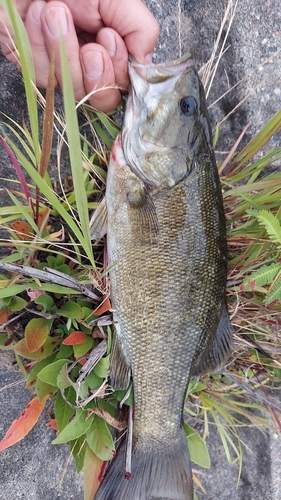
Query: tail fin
156,475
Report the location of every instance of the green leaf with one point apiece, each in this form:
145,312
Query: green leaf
75,153
43,389
12,290
63,411
81,349
93,380
103,135
120,394
195,386
71,310
46,301
82,390
78,449
16,303
258,141
48,123
65,352
75,428
197,448
36,333
53,288
265,274
275,294
49,374
100,440
27,68
63,379
25,212
108,124
271,224
45,350
52,198
3,338
102,367
32,376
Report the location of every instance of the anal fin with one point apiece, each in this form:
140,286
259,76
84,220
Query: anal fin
120,371
98,222
219,350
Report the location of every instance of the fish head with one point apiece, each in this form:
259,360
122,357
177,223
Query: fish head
165,124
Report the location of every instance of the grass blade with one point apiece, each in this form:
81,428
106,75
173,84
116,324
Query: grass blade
75,153
27,68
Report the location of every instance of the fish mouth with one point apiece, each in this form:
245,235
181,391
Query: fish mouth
157,73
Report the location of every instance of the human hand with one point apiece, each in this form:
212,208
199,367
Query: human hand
98,34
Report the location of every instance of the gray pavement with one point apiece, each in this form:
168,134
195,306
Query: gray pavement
34,469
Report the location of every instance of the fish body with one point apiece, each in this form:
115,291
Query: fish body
168,261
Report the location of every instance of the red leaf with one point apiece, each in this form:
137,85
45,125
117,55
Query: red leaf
105,306
52,424
36,332
83,360
18,168
74,338
23,424
3,316
92,468
43,219
23,229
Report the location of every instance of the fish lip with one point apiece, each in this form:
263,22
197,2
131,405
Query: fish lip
154,73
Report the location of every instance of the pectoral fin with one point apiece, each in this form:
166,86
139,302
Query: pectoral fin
219,350
98,222
143,216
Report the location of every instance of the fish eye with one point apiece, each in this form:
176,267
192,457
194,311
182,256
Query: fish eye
188,105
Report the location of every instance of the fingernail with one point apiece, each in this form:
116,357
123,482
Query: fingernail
57,22
92,61
36,11
111,44
148,58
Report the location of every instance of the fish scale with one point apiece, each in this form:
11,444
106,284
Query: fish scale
167,257
156,275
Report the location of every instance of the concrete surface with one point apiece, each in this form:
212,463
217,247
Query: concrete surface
33,469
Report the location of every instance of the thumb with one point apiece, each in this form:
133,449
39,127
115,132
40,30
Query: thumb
135,24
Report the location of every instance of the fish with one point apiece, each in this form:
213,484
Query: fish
167,257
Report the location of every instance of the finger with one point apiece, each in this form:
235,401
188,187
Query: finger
6,34
99,77
135,24
130,18
118,53
56,20
36,37
6,31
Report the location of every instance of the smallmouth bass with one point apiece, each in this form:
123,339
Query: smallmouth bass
167,255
